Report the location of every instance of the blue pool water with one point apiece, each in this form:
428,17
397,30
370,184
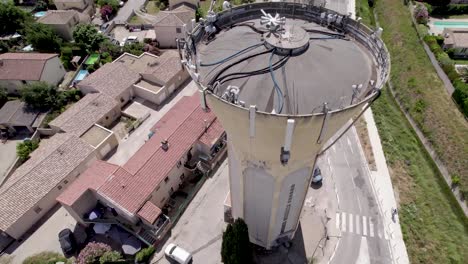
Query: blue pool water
40,14
451,24
81,75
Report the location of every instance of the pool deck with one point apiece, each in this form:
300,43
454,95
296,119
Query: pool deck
435,30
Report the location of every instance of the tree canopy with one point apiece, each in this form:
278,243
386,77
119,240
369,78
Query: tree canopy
41,95
134,48
12,18
43,37
88,36
25,148
236,247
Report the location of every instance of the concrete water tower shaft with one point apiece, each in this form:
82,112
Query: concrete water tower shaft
282,78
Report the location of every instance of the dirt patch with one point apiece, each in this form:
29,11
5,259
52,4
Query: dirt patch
361,127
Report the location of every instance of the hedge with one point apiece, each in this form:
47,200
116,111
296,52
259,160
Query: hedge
460,95
452,9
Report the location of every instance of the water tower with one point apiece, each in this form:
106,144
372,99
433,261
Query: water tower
282,78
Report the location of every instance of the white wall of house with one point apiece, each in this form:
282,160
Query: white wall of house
167,35
154,97
83,205
162,193
31,217
53,71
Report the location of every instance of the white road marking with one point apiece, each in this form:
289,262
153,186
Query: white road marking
337,220
343,221
371,227
363,257
358,227
364,226
350,223
350,146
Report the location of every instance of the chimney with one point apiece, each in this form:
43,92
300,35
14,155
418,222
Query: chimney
164,145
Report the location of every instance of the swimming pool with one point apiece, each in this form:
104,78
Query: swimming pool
40,14
81,75
451,24
93,58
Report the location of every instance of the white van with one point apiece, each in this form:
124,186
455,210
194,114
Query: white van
178,254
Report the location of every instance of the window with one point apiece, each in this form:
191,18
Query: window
166,179
107,118
178,30
65,181
37,209
171,190
182,176
122,100
179,164
59,187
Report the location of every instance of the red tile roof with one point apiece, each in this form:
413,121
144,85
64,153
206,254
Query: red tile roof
162,130
214,132
92,178
132,192
23,66
149,212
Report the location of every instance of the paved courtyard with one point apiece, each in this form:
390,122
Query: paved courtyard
45,238
120,32
8,154
200,228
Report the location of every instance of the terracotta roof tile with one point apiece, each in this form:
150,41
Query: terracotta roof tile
149,212
13,65
131,192
111,79
92,179
49,165
85,113
214,132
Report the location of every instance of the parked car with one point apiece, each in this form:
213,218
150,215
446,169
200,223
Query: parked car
123,42
67,242
178,254
317,176
131,39
122,3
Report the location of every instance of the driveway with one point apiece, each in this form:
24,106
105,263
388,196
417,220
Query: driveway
126,11
128,146
120,32
8,154
45,238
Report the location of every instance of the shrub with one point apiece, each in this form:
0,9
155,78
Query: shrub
455,180
41,95
45,258
144,255
446,10
423,31
421,14
106,12
110,257
25,148
92,252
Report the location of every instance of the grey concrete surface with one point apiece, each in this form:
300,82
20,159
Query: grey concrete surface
363,236
126,11
8,155
45,238
120,32
129,145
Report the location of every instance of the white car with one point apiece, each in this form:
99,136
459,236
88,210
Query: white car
123,42
178,254
132,39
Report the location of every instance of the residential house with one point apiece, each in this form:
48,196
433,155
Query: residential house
93,108
15,117
147,76
85,7
169,25
176,3
456,39
187,137
63,22
17,69
161,76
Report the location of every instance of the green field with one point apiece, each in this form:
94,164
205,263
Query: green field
435,229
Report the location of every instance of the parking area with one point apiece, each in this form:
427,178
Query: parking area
44,238
120,32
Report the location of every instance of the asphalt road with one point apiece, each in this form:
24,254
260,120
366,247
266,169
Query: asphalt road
363,239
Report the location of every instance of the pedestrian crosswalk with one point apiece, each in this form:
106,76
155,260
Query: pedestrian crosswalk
368,226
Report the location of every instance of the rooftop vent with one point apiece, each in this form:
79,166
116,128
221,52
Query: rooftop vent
164,145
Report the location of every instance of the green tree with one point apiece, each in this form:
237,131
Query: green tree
43,37
12,18
236,247
25,148
134,48
113,50
110,257
40,95
88,36
113,3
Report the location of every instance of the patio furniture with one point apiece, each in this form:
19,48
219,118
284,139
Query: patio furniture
100,228
131,245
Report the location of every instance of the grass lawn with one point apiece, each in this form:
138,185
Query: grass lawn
152,8
365,12
421,91
435,229
460,61
136,20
